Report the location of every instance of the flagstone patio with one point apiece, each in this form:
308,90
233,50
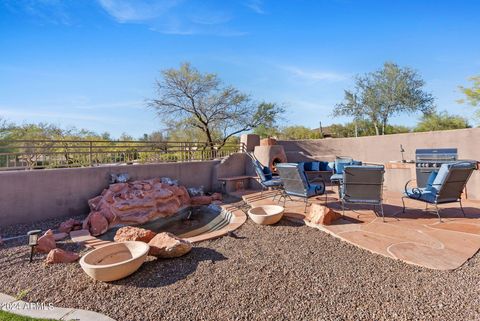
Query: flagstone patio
415,237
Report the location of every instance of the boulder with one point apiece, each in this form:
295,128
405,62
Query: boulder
131,233
46,243
320,214
201,200
69,225
61,256
97,223
167,245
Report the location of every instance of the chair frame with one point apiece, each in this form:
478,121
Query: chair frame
278,189
436,203
305,198
380,203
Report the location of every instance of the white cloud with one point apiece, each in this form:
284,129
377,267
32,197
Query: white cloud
315,75
175,17
137,10
256,6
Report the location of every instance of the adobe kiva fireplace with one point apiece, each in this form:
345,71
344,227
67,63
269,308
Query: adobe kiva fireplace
270,154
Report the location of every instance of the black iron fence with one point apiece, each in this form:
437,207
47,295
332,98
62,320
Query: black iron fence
34,154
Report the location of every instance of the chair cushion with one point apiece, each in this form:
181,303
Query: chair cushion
340,165
268,173
272,182
317,188
336,177
421,194
330,166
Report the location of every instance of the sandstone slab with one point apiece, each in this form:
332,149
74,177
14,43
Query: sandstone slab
201,200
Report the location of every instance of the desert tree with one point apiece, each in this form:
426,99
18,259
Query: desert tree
189,98
385,93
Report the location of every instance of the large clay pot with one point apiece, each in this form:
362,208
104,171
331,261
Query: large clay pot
266,214
114,261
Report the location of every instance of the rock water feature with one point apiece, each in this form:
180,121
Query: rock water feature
139,202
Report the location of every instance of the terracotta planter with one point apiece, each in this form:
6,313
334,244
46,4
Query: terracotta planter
266,214
114,261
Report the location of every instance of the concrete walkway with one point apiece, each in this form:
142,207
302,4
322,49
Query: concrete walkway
37,310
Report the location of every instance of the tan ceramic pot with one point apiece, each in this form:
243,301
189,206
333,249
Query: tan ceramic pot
114,261
266,214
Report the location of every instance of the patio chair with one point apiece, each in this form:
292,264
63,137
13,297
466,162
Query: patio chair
362,185
340,163
444,186
265,177
295,183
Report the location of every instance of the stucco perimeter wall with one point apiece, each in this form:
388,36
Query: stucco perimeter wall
382,149
28,196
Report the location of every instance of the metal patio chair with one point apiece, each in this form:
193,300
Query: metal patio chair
265,177
362,185
443,187
295,183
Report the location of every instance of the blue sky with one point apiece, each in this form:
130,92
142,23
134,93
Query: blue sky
91,64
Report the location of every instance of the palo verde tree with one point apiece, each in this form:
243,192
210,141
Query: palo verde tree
472,94
202,101
385,93
441,121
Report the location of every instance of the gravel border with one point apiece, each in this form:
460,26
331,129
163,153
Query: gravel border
282,272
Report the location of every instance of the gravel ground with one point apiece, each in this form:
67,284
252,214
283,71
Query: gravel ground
282,272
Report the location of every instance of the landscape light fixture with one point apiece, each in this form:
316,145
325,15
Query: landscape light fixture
402,151
33,241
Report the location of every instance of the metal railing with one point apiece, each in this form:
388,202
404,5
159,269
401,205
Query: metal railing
35,154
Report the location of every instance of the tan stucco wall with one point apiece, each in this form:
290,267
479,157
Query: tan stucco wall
28,196
382,149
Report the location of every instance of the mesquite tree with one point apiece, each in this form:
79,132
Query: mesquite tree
201,100
382,94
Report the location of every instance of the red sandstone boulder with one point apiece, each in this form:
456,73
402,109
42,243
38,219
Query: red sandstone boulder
61,256
131,233
320,214
201,200
167,245
69,225
97,223
46,242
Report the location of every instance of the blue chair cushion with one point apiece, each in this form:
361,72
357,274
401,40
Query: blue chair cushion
268,173
259,171
316,189
421,194
336,177
330,166
273,182
340,165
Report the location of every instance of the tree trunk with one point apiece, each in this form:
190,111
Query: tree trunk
377,132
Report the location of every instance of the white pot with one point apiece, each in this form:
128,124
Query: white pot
266,214
114,261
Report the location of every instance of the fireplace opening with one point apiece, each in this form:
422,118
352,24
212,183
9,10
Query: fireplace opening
273,166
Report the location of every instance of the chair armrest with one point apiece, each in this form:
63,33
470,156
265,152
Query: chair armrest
408,182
